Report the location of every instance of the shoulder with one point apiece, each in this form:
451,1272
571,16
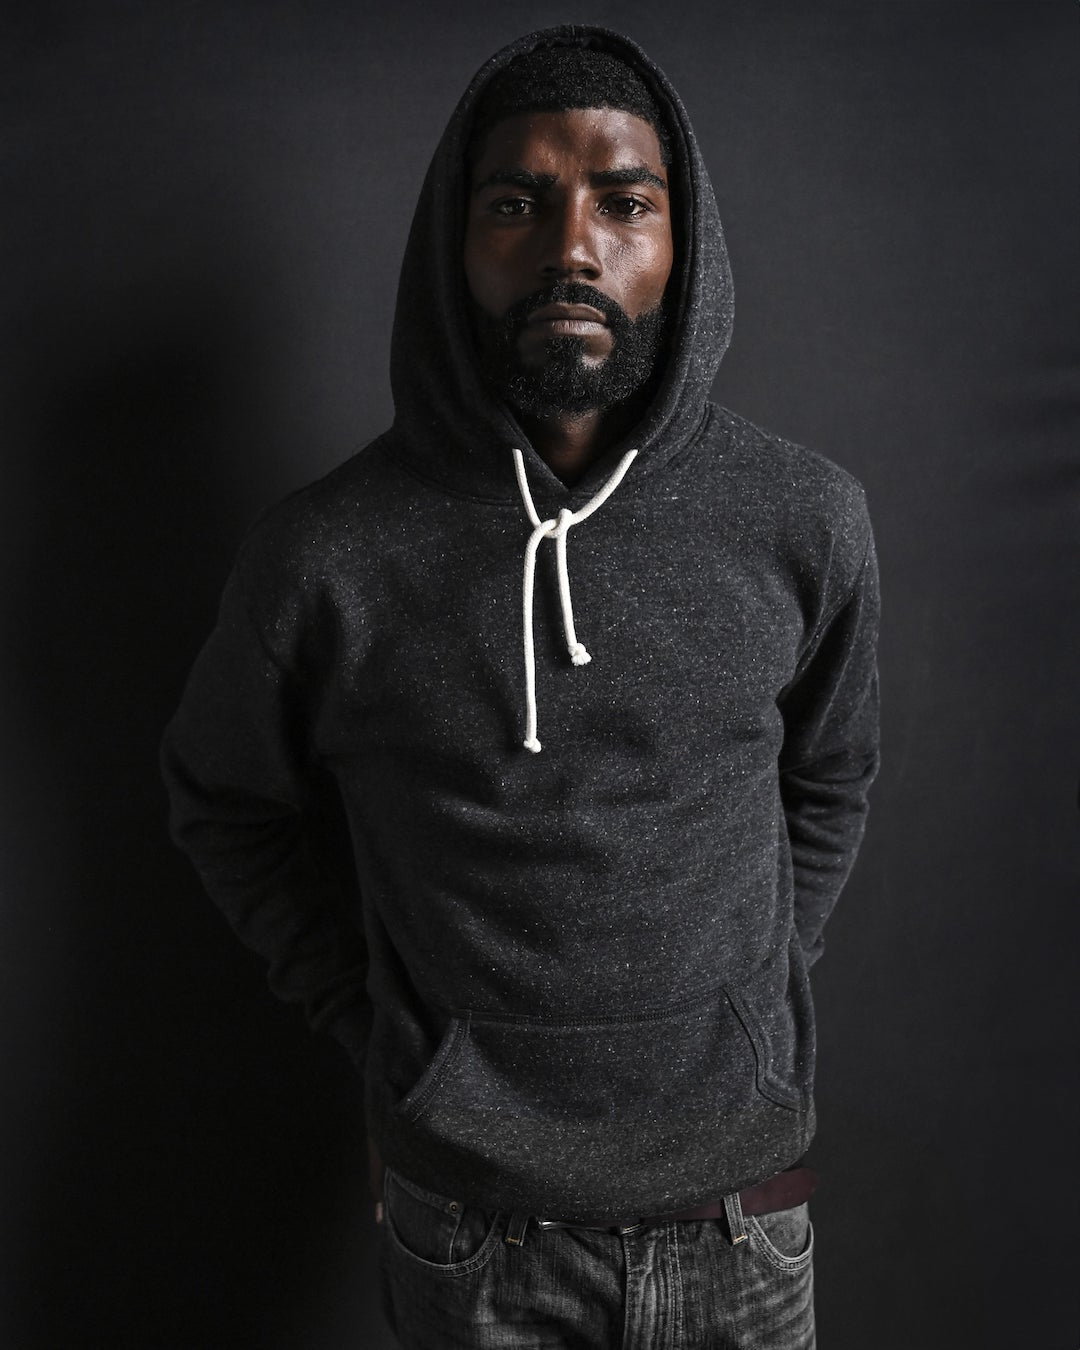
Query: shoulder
301,553
784,471
804,510
807,497
304,535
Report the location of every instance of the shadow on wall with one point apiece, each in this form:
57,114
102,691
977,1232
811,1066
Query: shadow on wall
187,1159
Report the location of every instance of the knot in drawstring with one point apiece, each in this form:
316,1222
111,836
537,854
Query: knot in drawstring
578,655
556,528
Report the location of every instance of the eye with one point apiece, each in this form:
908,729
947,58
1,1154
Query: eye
629,208
512,206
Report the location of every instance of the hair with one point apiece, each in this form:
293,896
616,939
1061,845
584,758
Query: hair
555,79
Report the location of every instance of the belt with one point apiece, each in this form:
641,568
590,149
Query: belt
793,1186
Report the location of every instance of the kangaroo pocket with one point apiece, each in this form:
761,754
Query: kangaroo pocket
585,1120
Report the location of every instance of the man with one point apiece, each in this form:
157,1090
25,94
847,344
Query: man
576,981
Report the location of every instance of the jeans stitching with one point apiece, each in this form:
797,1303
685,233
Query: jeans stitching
442,1202
678,1293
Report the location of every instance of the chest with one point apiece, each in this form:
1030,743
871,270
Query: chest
692,630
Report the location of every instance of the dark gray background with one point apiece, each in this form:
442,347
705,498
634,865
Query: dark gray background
205,206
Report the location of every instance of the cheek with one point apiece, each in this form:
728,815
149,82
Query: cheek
474,274
487,271
645,267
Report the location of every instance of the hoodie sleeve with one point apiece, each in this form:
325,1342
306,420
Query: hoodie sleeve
829,756
255,816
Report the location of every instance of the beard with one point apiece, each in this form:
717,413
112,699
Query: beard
564,382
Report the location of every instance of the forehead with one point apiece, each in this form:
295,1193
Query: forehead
547,142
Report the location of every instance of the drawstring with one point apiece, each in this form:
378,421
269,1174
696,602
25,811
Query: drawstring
557,528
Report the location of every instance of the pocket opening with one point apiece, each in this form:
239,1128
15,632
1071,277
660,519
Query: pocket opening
427,1085
397,1225
595,1067
774,1255
755,1033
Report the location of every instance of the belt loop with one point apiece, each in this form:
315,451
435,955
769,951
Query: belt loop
733,1210
515,1229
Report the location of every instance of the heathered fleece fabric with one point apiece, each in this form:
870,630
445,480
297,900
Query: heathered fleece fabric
576,981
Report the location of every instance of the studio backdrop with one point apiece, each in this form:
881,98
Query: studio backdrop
204,211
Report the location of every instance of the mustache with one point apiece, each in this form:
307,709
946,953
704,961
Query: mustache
566,293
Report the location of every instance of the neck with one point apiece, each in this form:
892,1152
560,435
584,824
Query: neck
569,443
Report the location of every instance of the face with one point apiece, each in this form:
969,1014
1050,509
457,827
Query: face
568,251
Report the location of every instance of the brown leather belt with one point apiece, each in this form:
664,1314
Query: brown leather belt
793,1186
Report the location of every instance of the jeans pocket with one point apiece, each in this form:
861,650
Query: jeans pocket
440,1233
784,1238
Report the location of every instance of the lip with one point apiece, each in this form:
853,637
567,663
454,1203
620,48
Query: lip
574,314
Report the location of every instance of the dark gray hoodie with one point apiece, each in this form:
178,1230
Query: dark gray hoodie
575,980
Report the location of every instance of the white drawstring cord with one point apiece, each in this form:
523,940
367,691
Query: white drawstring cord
557,528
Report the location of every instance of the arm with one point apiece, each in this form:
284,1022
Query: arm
254,814
830,753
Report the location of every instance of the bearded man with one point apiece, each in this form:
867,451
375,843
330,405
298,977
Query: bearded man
574,974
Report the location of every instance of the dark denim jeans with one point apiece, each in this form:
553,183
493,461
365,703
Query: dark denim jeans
450,1279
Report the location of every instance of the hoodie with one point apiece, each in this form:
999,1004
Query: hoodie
575,980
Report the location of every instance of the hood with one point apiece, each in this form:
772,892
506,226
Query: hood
449,425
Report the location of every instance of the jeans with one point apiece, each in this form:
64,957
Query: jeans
450,1279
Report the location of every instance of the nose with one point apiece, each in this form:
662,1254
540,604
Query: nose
570,243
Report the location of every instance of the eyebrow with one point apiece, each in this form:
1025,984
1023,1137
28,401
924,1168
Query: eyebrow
540,182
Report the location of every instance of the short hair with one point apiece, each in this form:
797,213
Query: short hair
555,79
